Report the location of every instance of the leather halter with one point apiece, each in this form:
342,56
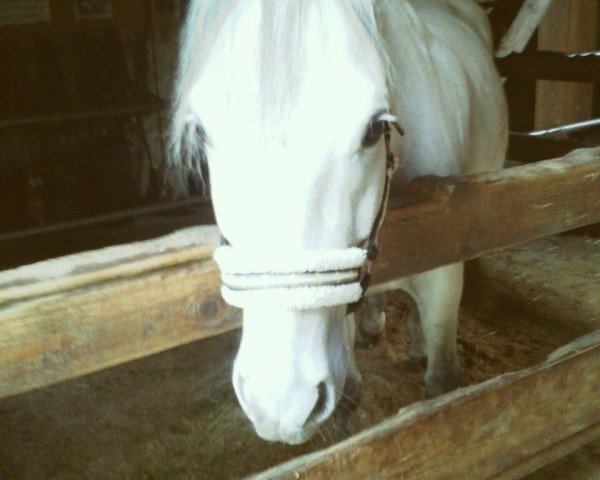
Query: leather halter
319,278
372,244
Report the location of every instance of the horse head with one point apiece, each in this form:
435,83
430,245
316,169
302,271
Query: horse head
291,101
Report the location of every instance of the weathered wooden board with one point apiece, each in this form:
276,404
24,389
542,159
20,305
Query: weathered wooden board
67,317
569,26
456,219
501,429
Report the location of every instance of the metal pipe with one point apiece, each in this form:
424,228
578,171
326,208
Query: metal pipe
198,202
563,129
583,54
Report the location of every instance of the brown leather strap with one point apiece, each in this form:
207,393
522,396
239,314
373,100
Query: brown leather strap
372,245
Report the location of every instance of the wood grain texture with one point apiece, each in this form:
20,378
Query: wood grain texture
71,316
68,317
569,26
500,429
438,222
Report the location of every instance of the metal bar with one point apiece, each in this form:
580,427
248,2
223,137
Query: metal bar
562,129
61,117
103,219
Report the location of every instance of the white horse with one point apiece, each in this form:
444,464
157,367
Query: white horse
288,100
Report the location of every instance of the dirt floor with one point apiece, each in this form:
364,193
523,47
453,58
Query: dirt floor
175,416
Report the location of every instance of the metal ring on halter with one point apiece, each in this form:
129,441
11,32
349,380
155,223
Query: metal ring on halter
306,279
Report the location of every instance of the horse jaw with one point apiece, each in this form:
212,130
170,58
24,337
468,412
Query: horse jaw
291,368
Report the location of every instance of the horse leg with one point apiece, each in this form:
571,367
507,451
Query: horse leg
417,357
437,295
372,320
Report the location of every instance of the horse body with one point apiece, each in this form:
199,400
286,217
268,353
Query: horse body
447,93
284,91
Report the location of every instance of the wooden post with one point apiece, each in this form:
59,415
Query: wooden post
570,25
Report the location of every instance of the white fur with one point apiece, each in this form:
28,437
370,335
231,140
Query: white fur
236,261
290,175
301,280
296,298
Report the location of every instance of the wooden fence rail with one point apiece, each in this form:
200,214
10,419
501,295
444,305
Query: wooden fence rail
71,316
501,429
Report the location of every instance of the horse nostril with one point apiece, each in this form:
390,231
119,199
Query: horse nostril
319,411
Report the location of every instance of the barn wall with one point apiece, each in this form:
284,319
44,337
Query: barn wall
147,30
156,23
570,25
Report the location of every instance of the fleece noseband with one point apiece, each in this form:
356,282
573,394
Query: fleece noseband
304,279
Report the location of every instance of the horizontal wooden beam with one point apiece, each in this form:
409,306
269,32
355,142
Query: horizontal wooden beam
64,228
108,113
71,316
68,317
446,220
501,429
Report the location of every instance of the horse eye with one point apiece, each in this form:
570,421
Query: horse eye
373,133
200,132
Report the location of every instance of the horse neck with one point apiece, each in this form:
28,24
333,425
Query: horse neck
442,67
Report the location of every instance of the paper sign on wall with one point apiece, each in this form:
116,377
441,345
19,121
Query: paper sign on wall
19,12
92,8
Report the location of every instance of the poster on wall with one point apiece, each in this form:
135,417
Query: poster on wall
21,12
92,9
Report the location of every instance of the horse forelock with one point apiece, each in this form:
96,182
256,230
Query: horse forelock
283,43
282,46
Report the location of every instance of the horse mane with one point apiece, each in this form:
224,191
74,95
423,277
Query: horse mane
282,53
